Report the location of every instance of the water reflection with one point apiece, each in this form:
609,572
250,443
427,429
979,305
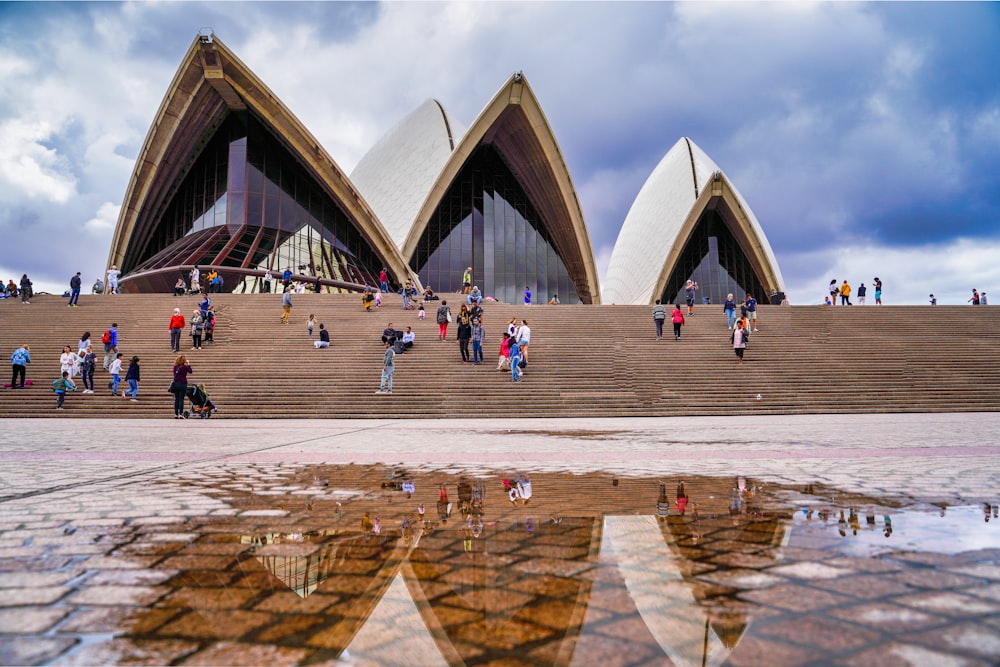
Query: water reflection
515,567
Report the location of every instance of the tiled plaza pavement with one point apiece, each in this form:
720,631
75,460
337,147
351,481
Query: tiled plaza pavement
806,540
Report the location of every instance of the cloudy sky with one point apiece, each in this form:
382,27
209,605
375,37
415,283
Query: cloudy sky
866,137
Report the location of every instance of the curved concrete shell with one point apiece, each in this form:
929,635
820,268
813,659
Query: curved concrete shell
686,216
396,174
512,136
317,212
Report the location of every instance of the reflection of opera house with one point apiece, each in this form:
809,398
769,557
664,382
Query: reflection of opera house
228,178
558,589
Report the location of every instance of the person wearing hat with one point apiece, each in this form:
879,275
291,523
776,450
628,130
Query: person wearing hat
132,377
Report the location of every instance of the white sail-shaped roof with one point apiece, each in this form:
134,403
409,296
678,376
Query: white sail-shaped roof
664,215
396,174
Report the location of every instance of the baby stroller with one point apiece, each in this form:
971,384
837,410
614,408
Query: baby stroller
201,404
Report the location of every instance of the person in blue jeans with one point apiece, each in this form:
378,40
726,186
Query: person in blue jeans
478,336
515,361
730,309
74,290
132,377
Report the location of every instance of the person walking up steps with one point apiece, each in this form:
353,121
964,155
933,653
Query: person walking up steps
677,317
175,327
286,305
74,290
659,315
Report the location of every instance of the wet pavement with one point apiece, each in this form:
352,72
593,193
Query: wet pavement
801,540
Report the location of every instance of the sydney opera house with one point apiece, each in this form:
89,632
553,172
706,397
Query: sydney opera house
228,178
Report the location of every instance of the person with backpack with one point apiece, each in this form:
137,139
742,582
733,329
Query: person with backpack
110,340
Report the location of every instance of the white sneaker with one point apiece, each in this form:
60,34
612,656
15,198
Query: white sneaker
379,392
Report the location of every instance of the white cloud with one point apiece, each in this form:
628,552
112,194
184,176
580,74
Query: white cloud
104,221
29,168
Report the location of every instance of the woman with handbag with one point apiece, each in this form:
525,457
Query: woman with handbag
179,385
443,318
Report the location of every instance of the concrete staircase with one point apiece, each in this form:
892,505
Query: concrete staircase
584,360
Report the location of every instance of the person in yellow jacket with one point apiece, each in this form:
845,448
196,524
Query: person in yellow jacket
845,294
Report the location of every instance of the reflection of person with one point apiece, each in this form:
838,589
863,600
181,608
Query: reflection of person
662,501
682,499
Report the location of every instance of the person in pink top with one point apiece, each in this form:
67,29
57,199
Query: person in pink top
677,317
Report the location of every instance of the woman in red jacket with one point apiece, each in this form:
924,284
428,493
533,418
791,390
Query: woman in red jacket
677,317
176,326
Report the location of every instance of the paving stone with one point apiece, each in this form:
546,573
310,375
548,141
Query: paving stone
29,620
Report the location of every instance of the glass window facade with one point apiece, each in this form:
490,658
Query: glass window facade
261,209
713,258
487,222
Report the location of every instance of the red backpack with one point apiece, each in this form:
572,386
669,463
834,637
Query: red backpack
106,338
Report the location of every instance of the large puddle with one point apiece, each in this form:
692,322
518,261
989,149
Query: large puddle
298,564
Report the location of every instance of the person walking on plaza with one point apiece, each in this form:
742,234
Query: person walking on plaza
690,290
388,368
677,317
845,294
25,289
975,297
878,291
286,305
751,306
729,308
739,339
60,386
75,283
443,318
132,377
659,315
862,293
982,299
175,327
88,364
180,384
19,361
113,274
527,295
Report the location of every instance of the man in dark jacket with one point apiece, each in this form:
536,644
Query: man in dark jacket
74,290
